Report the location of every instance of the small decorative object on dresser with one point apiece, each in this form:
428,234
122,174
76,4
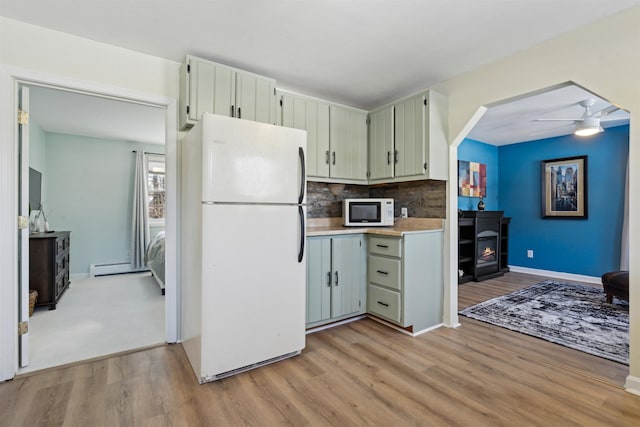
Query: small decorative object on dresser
49,266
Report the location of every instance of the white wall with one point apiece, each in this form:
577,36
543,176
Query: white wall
605,59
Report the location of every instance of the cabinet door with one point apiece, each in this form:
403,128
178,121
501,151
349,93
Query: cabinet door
381,143
348,139
348,275
409,155
255,98
319,279
211,89
301,113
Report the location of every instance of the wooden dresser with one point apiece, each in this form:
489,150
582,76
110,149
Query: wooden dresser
49,266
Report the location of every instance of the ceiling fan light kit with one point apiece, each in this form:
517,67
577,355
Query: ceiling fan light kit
589,123
587,127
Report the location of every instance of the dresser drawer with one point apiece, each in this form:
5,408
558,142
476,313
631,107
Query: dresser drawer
383,302
384,271
385,246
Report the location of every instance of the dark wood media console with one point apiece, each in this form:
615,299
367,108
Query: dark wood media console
483,245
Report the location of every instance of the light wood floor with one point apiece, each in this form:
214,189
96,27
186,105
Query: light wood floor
362,373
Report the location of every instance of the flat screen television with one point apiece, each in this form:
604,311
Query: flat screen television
35,189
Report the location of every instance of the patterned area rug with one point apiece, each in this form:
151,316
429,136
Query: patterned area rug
576,316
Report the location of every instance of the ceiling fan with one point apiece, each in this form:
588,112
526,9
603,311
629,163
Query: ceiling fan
589,123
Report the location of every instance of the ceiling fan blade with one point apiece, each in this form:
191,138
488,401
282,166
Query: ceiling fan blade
557,120
606,111
552,130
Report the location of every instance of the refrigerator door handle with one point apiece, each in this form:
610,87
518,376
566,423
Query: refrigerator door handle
303,175
302,234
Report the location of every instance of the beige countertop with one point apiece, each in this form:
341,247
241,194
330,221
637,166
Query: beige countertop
402,226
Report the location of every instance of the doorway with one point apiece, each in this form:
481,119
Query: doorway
533,251
167,108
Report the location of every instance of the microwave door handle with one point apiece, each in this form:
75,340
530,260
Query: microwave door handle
303,174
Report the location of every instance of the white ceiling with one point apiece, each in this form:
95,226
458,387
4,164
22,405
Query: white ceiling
361,53
73,113
514,120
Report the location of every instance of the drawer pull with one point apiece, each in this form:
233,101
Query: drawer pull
382,272
383,246
383,303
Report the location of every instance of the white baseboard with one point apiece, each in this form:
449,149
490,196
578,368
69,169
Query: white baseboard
632,385
334,324
557,274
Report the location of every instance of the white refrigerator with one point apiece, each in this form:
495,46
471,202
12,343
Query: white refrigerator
243,194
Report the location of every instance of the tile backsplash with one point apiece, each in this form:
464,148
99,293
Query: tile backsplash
424,199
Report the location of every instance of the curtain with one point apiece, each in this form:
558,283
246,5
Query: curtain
140,223
624,247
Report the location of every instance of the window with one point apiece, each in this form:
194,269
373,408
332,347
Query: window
156,188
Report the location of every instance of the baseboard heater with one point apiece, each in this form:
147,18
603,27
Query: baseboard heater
115,268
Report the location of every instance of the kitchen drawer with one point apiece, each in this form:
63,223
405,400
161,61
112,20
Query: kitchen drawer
385,271
384,303
385,246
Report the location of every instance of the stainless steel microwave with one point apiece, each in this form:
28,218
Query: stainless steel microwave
368,212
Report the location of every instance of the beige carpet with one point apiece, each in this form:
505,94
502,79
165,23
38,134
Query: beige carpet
95,317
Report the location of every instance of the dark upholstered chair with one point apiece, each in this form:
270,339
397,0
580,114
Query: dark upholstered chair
616,283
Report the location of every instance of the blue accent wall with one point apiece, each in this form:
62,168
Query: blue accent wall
479,152
588,247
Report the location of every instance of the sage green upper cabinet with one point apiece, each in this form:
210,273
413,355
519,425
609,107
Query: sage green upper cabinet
419,143
312,116
208,87
348,141
336,138
409,150
381,155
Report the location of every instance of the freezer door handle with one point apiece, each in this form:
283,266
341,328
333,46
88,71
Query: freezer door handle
303,175
302,234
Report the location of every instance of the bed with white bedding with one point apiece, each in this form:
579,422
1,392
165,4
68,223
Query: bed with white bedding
154,258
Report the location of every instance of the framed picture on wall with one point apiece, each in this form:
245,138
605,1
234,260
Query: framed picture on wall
472,179
564,188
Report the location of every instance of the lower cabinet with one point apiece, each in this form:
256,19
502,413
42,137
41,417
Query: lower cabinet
336,278
405,282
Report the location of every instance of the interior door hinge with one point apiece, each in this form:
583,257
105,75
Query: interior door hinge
23,328
23,222
23,117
